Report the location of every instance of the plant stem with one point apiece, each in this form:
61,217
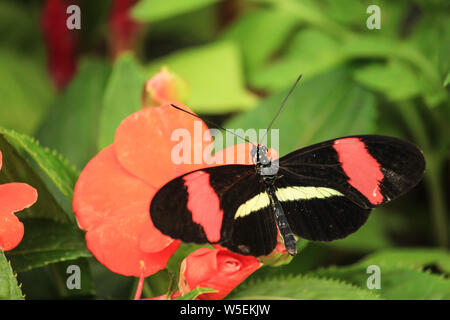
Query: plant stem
433,172
415,125
137,295
60,284
438,206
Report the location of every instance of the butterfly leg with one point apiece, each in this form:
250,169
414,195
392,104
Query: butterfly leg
283,226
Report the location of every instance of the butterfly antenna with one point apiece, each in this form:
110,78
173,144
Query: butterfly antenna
212,123
281,107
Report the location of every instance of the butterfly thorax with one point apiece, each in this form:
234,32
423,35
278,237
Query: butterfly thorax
268,173
259,156
264,165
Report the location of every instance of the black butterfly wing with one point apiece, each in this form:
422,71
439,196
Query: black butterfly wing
368,169
328,189
202,206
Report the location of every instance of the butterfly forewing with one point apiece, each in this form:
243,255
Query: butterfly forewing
248,226
169,213
369,169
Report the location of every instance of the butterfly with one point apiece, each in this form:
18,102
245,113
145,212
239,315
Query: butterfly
322,192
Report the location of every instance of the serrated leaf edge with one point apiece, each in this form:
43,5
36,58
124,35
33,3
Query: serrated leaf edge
290,277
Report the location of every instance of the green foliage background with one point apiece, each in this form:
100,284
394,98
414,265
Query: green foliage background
238,58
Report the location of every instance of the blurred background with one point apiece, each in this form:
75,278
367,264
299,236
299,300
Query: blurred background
237,59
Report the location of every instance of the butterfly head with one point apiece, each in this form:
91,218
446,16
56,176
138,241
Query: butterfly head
259,156
265,166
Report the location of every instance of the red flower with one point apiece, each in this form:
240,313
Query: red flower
218,269
60,42
113,193
123,28
13,197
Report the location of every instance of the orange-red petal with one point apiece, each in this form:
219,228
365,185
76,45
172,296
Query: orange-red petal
218,269
13,197
150,239
115,243
143,143
105,189
16,197
11,231
113,206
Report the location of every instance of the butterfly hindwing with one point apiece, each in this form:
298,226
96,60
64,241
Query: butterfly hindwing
316,212
255,234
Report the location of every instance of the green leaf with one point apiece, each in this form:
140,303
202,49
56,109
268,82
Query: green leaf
18,26
25,90
121,98
430,27
414,285
353,15
72,124
61,274
447,80
17,169
57,169
192,295
310,12
322,108
310,52
374,47
346,13
189,28
154,10
411,258
396,283
406,284
402,274
311,256
50,282
259,34
300,287
9,290
214,76
47,242
50,231
109,285
395,79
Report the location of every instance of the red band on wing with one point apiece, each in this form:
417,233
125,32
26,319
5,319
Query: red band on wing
204,204
363,170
